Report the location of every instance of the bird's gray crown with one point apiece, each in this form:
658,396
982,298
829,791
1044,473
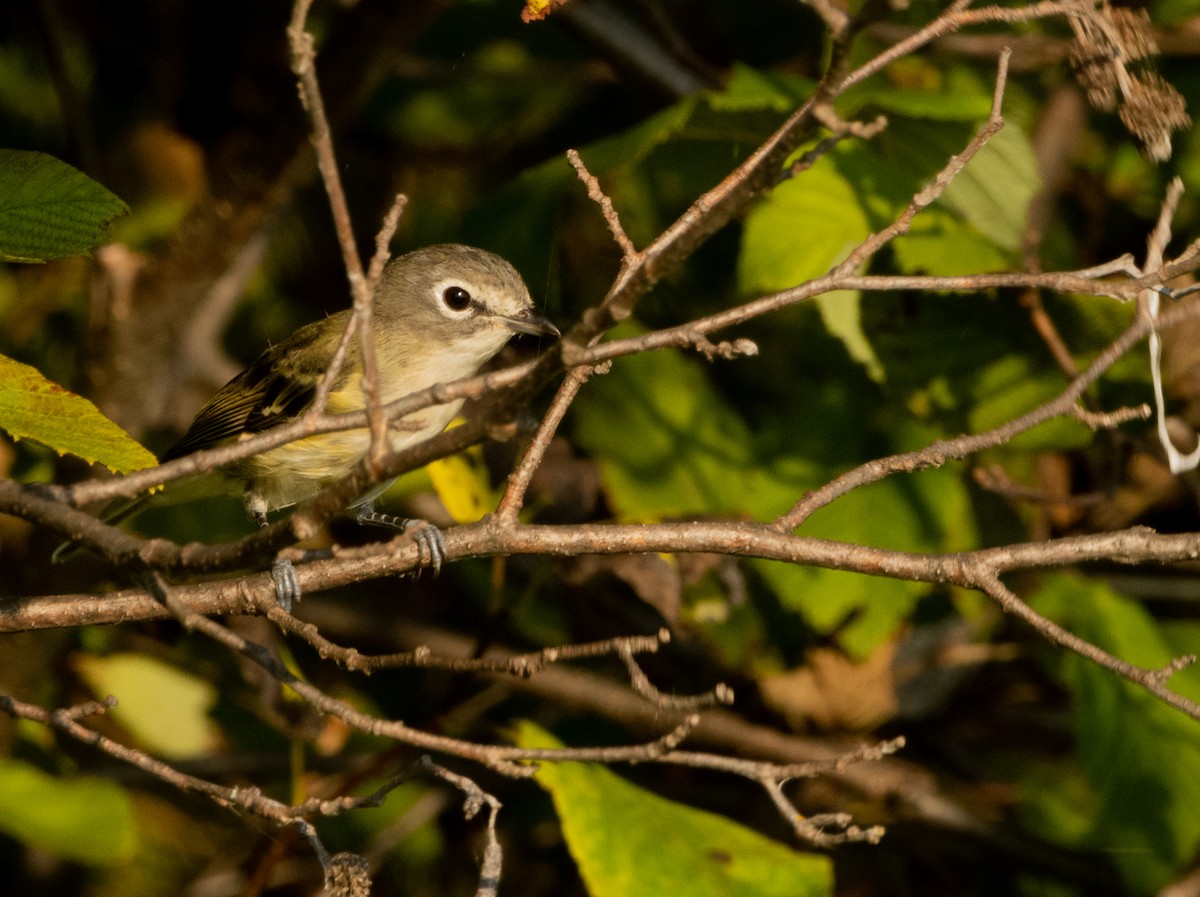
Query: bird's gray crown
453,283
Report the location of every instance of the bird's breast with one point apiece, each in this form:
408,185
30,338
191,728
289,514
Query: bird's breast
296,472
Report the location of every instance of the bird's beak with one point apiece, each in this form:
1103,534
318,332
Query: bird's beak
532,323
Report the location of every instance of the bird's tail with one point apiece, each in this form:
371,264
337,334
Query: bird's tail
114,513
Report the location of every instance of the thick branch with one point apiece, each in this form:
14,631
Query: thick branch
255,593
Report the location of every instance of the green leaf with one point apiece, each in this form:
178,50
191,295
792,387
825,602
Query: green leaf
1012,386
629,842
921,89
679,450
749,88
519,220
928,512
651,171
49,209
32,407
1141,757
811,222
85,819
841,313
939,242
937,105
994,190
164,708
682,450
800,230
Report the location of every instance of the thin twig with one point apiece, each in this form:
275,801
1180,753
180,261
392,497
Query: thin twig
1108,420
33,503
994,479
254,594
383,241
941,451
720,694
1153,680
303,61
502,759
817,828
937,186
1031,299
950,21
102,490
518,481
522,665
251,799
474,800
596,193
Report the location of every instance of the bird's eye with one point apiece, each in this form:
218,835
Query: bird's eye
456,298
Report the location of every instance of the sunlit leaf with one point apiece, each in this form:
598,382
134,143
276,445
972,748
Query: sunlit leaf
32,407
629,842
992,192
939,242
800,230
810,223
49,209
679,449
841,312
163,707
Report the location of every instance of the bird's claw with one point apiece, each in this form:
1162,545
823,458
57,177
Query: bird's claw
287,584
431,544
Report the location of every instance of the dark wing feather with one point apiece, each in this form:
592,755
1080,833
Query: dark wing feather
278,387
284,396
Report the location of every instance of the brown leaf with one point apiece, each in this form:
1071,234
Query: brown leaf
832,692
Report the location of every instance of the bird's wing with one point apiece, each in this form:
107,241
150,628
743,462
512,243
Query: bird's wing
278,387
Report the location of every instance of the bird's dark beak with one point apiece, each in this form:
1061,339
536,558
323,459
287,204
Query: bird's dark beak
532,323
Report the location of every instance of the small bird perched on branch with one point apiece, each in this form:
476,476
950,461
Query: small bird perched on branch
439,314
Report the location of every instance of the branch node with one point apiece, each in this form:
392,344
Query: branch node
1163,675
1110,420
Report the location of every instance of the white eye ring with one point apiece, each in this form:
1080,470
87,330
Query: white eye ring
456,298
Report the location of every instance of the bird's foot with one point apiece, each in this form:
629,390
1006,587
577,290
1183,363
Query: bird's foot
431,544
287,584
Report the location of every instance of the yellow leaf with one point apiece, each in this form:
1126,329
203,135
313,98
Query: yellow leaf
163,707
461,482
36,408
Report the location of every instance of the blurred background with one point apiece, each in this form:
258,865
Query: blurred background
1027,771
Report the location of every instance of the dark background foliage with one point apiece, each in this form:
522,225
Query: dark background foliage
1026,771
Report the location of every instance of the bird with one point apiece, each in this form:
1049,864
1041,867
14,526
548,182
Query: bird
440,313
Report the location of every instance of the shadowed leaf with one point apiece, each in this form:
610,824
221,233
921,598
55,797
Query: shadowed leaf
49,209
